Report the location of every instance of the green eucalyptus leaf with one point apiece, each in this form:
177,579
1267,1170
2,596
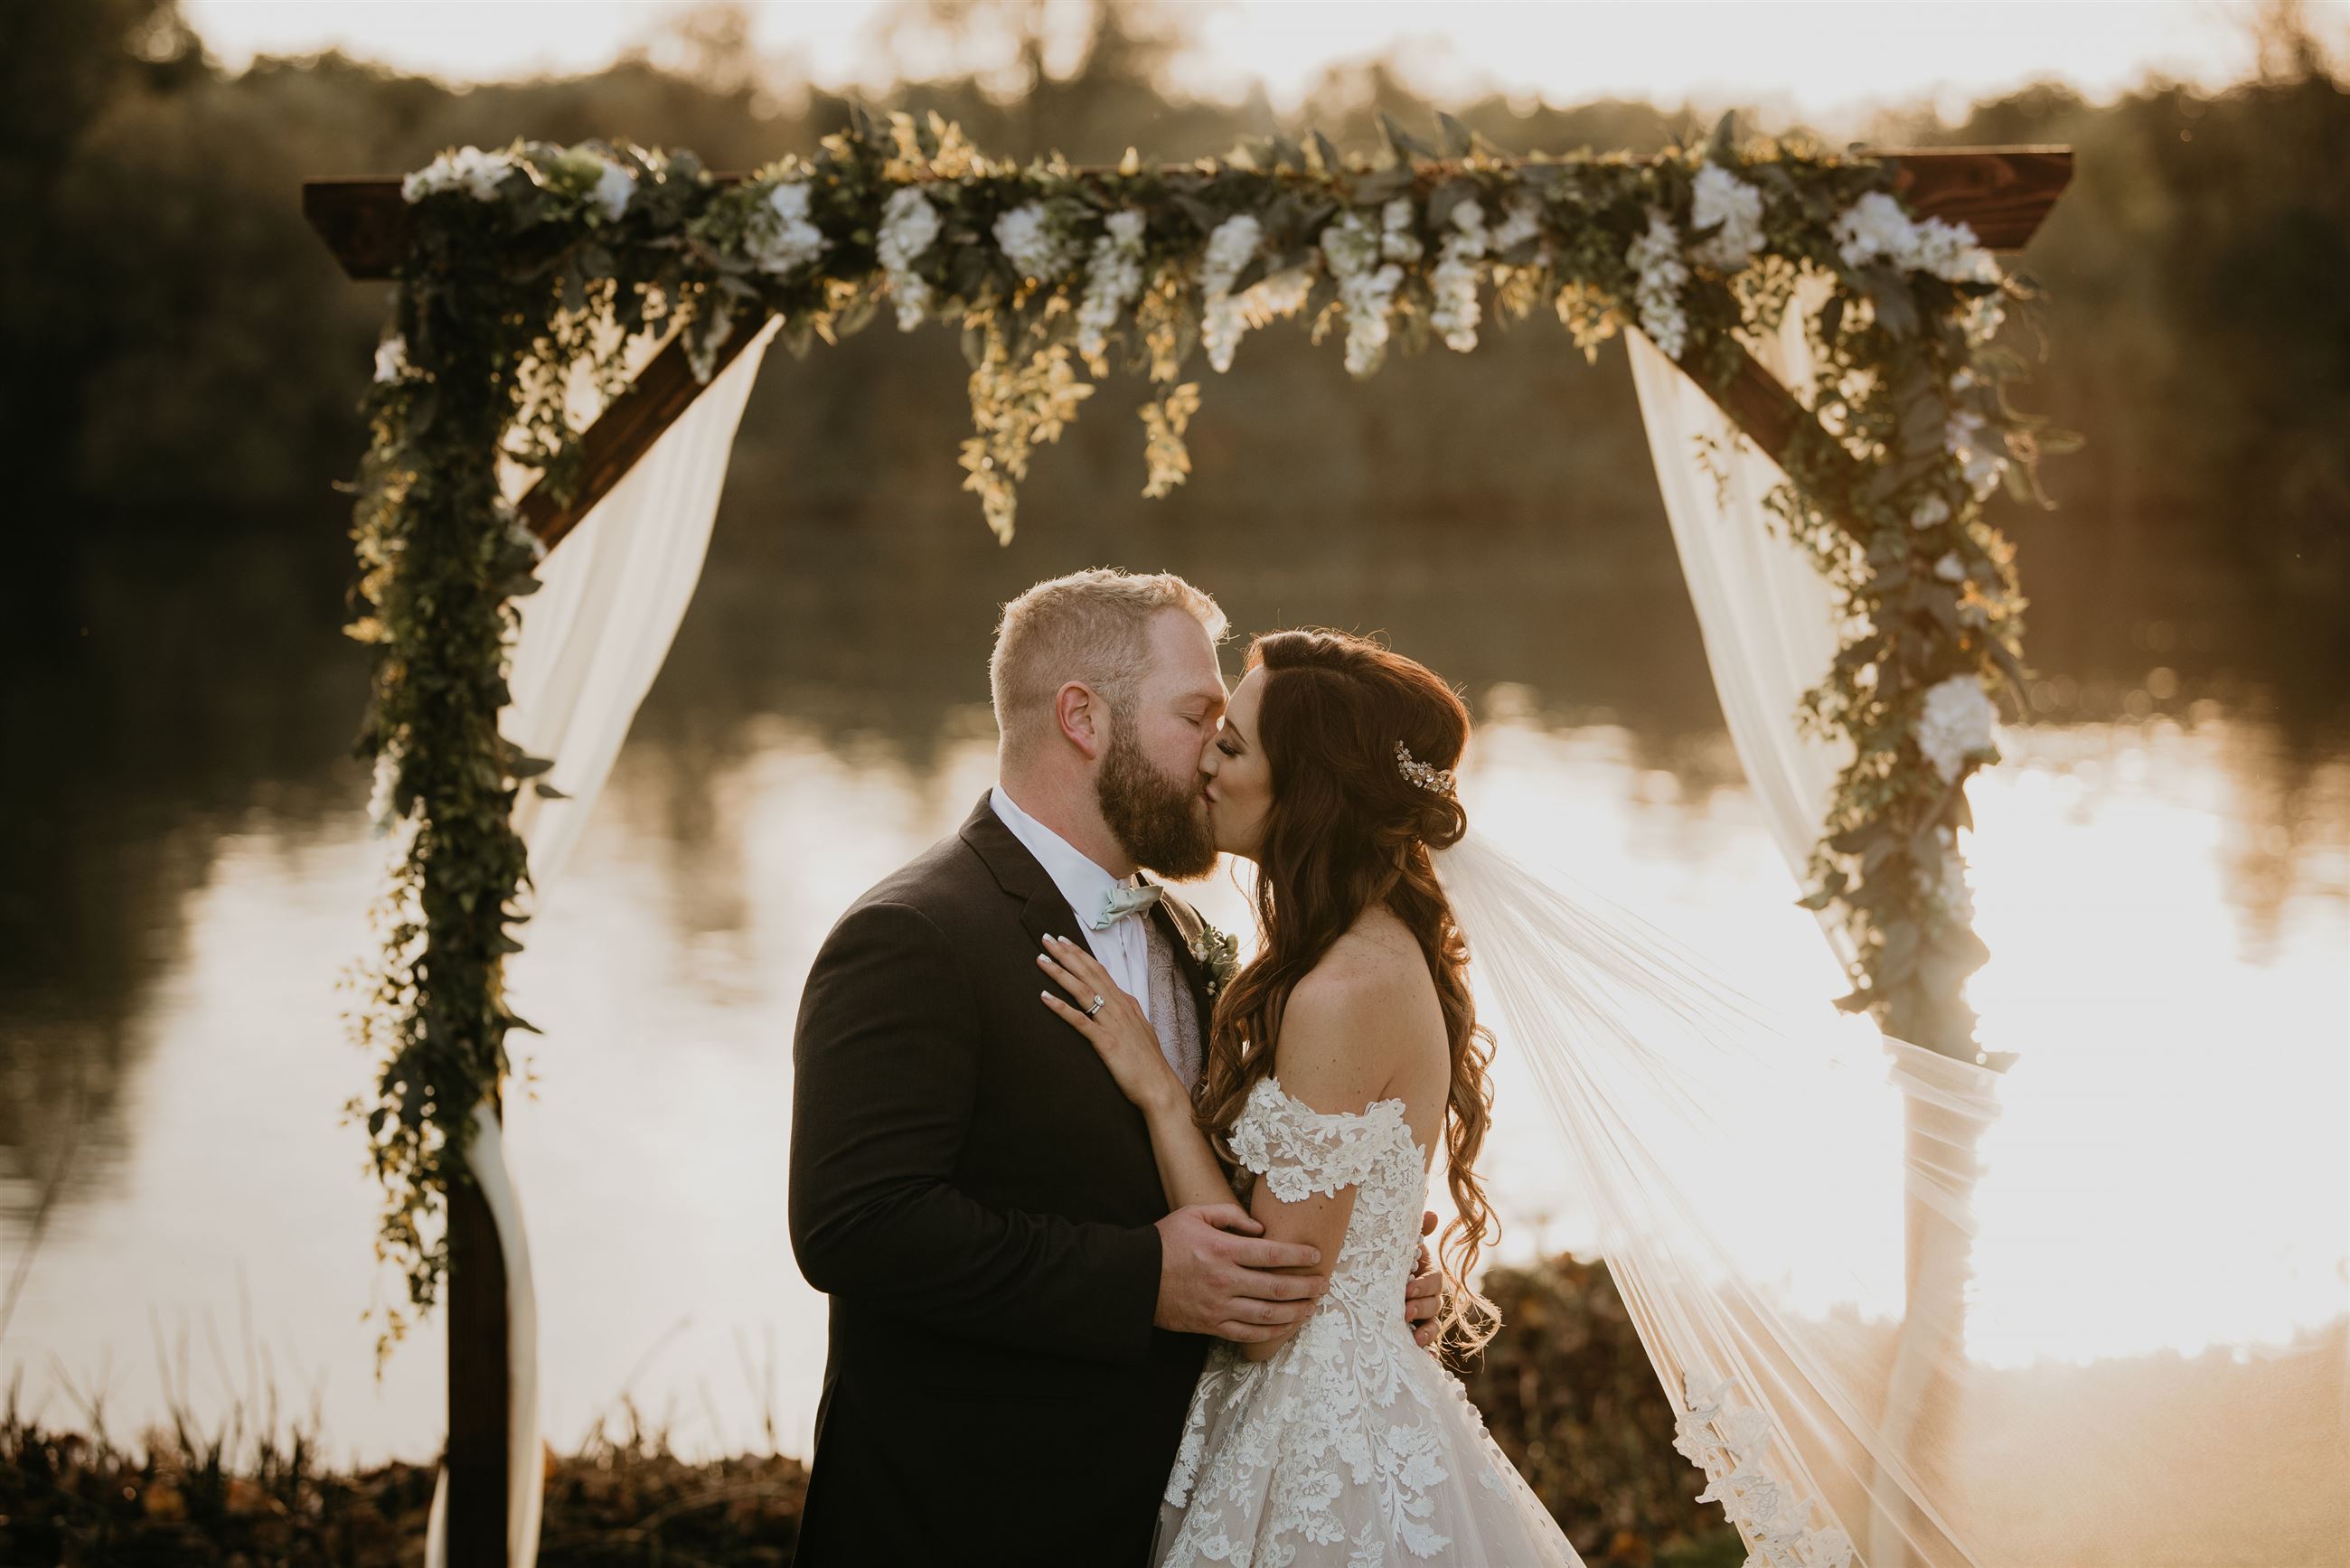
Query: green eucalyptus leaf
1723,149
1201,214
1459,140
1888,292
1401,142
1380,185
1448,195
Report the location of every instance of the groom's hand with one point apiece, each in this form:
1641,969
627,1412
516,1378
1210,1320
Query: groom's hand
1423,1293
1217,1276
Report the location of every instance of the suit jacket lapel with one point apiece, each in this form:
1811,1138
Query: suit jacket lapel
1044,910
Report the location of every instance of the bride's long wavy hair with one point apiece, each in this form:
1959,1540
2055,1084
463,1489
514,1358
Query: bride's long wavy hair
1345,831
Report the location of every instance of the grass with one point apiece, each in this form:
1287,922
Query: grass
1566,1391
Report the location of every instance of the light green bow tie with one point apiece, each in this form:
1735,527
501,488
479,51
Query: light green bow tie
1120,902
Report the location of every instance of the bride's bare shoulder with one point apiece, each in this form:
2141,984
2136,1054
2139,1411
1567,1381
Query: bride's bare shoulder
1361,1013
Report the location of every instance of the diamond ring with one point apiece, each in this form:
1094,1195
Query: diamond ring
1100,1001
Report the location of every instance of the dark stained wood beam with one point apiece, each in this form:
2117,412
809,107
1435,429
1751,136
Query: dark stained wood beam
1767,411
626,429
479,1382
2003,192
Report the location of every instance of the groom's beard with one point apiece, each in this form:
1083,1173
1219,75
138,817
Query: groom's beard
1157,820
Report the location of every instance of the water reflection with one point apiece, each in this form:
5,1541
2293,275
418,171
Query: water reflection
183,873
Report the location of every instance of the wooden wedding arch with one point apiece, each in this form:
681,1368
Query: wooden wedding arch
1999,193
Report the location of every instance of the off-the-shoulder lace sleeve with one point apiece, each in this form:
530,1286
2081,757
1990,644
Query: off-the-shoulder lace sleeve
1299,1150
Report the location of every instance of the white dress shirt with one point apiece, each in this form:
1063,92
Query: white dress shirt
1124,948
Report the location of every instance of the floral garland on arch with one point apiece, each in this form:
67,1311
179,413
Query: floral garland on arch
530,263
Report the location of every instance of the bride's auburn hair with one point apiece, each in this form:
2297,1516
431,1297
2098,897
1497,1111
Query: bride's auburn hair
1346,831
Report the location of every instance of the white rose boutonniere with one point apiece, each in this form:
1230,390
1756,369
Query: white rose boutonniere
1218,953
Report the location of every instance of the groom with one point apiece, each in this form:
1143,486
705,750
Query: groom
1017,1321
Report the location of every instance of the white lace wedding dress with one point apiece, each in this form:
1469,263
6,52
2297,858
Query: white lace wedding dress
1350,1445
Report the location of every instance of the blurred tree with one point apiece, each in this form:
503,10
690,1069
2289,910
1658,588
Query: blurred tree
185,354
64,66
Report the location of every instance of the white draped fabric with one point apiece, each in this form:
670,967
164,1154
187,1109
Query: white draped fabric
591,640
1766,612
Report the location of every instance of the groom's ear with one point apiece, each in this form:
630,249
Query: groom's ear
1083,720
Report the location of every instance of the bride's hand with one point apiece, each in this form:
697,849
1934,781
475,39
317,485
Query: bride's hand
1117,1031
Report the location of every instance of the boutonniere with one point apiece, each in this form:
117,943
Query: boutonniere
1218,953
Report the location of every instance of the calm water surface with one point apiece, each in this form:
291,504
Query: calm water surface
2165,888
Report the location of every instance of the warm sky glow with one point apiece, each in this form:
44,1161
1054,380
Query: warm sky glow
1830,61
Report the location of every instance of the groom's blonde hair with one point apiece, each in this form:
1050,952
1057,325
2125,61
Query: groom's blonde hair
1092,626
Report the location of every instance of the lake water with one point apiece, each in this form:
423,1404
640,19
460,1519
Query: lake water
2162,873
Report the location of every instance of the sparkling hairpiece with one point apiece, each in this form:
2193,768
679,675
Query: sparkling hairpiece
1420,773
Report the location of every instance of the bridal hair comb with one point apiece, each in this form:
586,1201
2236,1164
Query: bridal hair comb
1420,773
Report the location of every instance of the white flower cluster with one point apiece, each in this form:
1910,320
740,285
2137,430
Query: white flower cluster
1230,249
1113,281
1727,1442
469,169
1398,242
1222,318
1964,436
392,357
1720,197
1455,312
1955,723
1655,255
1521,221
1032,241
1875,228
1283,294
782,239
909,224
1366,285
615,184
1932,510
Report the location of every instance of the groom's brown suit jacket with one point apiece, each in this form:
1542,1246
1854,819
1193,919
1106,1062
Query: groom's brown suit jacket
978,1198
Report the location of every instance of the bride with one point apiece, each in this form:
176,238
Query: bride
1337,1060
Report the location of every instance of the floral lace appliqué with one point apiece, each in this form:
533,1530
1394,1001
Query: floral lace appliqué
1727,1441
1349,1447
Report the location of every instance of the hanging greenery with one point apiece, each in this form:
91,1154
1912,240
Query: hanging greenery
532,263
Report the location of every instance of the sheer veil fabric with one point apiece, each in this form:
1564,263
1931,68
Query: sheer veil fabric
1794,1208
1788,1210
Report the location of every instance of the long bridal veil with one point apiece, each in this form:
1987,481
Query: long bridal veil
1797,1215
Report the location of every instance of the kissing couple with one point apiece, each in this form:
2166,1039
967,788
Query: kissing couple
1122,1236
